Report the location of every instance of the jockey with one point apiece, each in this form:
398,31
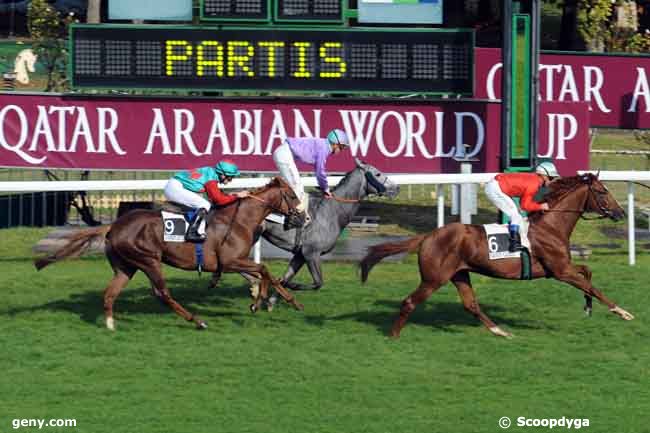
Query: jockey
186,187
313,151
523,185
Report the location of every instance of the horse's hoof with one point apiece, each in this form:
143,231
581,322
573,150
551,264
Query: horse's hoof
253,308
394,335
298,306
622,313
588,311
110,324
500,332
201,325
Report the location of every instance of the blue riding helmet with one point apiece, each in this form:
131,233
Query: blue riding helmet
227,168
337,136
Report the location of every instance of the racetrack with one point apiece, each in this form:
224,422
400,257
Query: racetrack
327,369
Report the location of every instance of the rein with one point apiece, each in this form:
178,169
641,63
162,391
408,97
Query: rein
345,200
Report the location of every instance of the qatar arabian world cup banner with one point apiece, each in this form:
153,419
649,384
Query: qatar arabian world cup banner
615,86
397,136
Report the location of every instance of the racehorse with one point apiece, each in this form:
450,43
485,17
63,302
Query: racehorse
329,218
453,251
135,242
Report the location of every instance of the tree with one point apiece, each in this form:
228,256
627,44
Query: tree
47,29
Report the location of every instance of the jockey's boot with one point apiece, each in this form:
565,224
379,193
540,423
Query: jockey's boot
515,239
193,234
303,207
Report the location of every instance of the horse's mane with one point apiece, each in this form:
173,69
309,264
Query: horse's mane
562,185
275,182
345,180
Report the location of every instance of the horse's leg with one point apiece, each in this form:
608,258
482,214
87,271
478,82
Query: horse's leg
586,272
424,290
313,264
462,282
118,282
572,275
260,271
296,263
154,272
214,280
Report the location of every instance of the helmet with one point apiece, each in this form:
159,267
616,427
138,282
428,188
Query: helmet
337,136
547,168
227,168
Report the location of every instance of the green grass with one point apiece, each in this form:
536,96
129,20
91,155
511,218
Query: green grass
327,369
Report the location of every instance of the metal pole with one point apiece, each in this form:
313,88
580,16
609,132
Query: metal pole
534,86
506,82
440,196
465,210
257,251
630,223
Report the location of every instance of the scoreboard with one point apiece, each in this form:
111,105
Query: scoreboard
325,11
343,60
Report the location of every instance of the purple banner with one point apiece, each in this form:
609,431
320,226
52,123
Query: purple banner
615,86
396,136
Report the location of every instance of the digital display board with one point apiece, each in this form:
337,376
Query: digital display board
309,10
235,10
265,59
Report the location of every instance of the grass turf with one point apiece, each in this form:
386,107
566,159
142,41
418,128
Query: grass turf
328,369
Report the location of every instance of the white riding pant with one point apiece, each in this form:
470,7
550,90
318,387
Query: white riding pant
174,191
286,165
502,201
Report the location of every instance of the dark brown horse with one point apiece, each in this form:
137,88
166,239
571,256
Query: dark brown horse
451,252
135,242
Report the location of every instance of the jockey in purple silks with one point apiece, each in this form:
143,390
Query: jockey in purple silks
312,151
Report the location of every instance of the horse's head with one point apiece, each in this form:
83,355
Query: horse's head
598,197
281,198
377,182
600,200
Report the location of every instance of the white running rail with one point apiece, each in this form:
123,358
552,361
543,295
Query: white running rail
401,179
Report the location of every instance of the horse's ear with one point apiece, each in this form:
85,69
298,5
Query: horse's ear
359,163
597,174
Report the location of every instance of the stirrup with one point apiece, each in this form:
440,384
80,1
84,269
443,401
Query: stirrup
194,237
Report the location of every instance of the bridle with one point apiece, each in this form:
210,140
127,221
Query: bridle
380,187
603,211
291,211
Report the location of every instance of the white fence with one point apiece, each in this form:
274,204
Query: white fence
402,179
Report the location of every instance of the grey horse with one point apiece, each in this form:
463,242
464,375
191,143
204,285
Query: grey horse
329,218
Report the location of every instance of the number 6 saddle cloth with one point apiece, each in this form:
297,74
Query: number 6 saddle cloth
498,240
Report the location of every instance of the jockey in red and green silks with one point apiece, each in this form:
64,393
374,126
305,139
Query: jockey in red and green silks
187,187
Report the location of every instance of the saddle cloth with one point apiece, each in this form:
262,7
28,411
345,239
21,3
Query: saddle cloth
498,240
174,226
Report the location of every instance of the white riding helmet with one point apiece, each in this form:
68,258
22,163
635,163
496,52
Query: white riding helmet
547,168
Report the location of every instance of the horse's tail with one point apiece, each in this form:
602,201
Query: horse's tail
77,244
378,252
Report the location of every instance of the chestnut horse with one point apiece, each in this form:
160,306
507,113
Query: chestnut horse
135,242
451,252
